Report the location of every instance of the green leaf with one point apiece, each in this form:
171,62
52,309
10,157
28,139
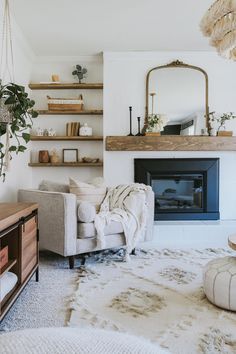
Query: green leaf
12,89
21,148
12,148
26,137
10,100
14,128
34,114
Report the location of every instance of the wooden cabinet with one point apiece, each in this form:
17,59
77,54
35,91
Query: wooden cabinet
19,233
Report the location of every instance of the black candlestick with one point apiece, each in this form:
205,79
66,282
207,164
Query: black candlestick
139,133
130,122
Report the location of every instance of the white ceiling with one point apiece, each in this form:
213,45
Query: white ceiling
83,27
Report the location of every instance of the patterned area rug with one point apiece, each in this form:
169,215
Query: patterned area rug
158,295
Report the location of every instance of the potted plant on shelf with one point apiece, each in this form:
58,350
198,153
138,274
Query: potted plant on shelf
16,113
79,72
221,123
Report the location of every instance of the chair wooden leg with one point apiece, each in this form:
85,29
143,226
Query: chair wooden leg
71,262
83,261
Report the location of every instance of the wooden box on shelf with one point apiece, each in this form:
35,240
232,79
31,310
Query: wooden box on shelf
225,133
65,104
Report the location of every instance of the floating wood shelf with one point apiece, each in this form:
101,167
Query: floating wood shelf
65,86
170,143
67,164
65,113
8,266
65,138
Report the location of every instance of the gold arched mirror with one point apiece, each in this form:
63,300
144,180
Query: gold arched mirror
177,94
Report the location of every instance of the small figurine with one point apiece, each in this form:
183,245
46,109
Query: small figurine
80,72
51,132
39,131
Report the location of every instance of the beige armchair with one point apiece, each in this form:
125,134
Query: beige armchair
60,231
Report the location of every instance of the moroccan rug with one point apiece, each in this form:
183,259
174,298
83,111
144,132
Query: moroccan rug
158,295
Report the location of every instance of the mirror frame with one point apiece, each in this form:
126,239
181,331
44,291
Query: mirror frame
179,64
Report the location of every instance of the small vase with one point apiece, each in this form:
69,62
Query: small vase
85,130
213,132
156,128
44,156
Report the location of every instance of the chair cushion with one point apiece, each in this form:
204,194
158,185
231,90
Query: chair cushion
86,212
89,192
87,230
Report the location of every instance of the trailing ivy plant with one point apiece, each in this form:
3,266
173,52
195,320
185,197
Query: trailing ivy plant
20,107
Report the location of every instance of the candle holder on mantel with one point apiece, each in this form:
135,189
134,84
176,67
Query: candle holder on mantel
139,133
130,122
152,94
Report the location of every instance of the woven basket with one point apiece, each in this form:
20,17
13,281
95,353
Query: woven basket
65,104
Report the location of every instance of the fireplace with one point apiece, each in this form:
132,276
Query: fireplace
185,189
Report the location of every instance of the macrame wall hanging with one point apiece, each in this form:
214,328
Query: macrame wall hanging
219,23
7,73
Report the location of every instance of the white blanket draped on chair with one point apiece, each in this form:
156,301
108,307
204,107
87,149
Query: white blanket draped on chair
125,204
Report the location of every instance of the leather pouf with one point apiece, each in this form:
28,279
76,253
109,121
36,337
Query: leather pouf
75,341
219,281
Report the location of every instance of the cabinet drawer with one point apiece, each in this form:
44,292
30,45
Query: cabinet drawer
29,247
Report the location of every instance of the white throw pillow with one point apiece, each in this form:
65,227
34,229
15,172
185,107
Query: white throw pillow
89,192
86,212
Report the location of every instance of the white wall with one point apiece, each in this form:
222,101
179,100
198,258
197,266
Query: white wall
19,175
124,86
43,68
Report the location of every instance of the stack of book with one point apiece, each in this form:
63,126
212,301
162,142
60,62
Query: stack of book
72,128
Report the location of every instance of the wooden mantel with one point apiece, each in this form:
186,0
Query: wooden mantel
170,143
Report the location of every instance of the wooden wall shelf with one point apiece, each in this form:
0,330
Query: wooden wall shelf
65,113
68,164
66,86
170,143
66,138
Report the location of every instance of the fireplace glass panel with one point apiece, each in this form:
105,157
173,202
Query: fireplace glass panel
178,192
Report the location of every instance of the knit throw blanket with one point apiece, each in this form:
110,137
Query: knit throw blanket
125,204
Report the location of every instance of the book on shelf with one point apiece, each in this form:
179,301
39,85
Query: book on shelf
72,128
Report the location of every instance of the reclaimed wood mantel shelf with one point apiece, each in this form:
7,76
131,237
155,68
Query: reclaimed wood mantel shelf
170,143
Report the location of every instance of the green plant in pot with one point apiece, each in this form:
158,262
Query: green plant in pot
16,114
220,120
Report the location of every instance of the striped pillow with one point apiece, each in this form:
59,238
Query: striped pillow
89,192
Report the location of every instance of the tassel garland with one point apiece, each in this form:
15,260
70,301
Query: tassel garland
219,23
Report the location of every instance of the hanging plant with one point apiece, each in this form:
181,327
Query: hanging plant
16,114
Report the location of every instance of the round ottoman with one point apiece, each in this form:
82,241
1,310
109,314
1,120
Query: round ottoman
74,341
219,282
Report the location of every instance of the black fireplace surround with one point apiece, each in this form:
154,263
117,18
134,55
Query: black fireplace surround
185,189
